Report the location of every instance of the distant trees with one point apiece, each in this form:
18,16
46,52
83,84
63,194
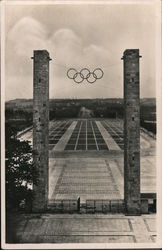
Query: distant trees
64,112
20,118
148,117
20,112
20,171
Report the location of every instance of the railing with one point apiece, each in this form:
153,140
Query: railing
64,206
98,206
105,206
90,206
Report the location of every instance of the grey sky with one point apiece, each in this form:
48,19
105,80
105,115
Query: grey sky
79,36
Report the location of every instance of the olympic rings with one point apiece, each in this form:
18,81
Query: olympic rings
85,74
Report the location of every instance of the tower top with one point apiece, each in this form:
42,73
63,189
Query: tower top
41,54
131,53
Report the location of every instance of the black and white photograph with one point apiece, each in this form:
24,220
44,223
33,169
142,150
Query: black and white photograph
81,124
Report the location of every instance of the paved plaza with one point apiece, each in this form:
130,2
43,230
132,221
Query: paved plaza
83,228
95,178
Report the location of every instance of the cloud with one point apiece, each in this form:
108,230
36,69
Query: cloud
66,49
66,37
26,35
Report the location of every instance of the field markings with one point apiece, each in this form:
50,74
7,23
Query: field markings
78,135
112,145
94,135
60,146
116,132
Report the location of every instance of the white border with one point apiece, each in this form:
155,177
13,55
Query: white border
3,214
158,244
159,122
52,2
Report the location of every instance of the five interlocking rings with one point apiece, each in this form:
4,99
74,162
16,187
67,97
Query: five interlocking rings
85,74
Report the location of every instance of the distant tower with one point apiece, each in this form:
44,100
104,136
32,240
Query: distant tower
40,127
131,132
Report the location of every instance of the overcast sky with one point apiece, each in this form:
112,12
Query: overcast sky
79,36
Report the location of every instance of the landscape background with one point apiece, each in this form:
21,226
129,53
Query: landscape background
19,112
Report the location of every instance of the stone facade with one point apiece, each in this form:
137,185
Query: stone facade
41,127
131,132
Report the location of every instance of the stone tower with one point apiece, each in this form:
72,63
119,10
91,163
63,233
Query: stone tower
131,132
40,127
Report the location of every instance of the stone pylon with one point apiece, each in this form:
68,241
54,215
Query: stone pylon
41,127
131,132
